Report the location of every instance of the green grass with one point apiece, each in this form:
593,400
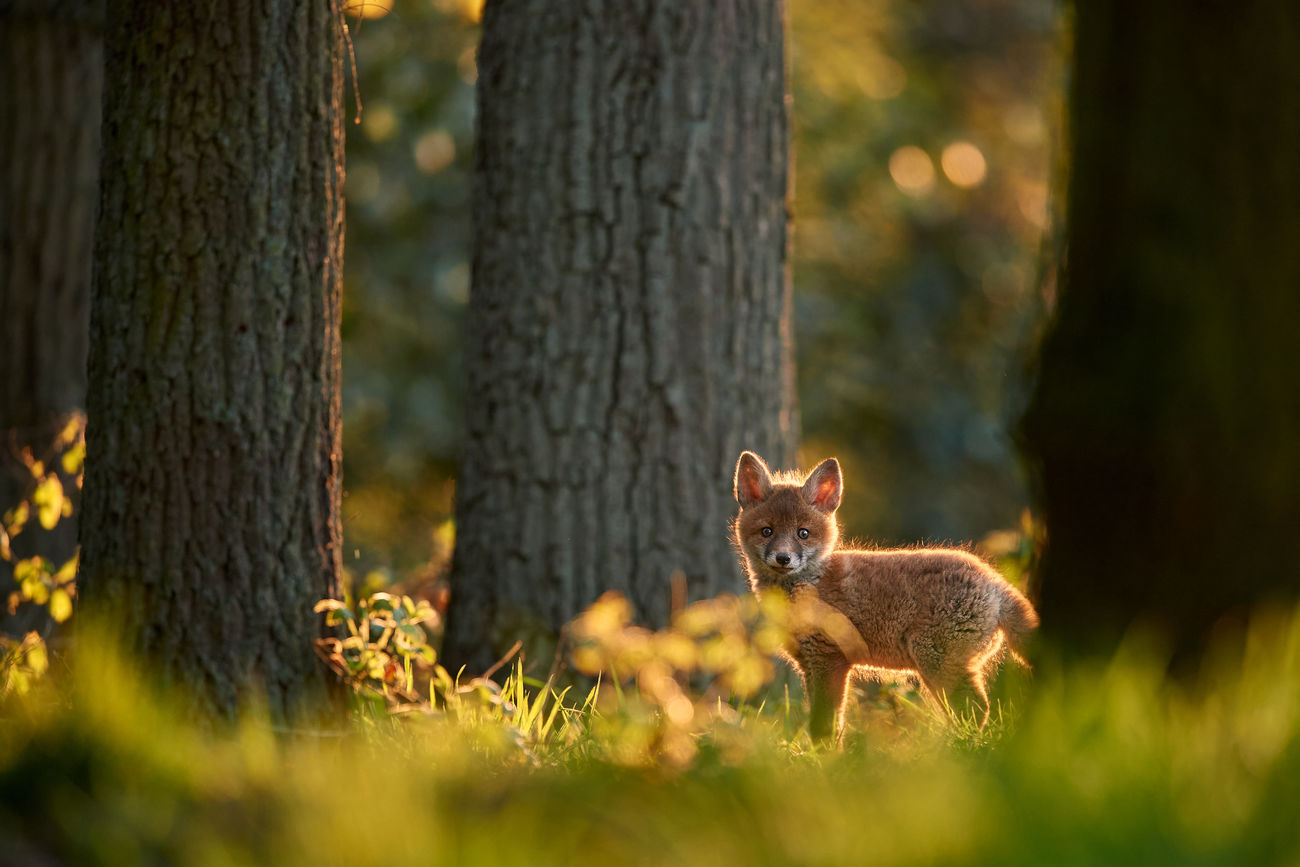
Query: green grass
1107,764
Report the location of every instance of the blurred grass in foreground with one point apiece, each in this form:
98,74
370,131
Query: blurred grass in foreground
1103,765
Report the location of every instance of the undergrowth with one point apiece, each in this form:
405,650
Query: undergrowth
1102,764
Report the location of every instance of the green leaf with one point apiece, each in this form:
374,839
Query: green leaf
413,634
60,605
381,602
49,501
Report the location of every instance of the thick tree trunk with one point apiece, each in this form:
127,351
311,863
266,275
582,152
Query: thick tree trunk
51,63
1167,415
630,307
211,522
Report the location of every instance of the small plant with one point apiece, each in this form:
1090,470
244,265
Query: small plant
667,690
386,656
385,645
22,663
41,583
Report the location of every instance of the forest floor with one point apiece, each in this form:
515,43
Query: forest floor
1103,764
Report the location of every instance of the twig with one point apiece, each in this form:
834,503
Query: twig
503,660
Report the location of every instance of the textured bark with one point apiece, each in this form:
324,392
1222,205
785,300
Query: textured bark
51,61
211,519
1167,415
629,311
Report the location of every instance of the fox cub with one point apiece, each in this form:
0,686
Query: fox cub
940,613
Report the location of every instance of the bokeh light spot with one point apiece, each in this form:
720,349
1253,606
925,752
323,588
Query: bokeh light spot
1024,123
379,122
963,164
467,65
881,77
470,10
454,283
911,169
434,151
369,8
1031,198
362,183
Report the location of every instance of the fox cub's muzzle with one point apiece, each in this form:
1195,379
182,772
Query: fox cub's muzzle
783,558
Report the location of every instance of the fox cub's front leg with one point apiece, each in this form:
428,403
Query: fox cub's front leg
825,679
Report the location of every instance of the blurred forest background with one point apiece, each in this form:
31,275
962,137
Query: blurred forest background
926,138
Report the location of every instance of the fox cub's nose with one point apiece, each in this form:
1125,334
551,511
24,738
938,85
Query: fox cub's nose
783,559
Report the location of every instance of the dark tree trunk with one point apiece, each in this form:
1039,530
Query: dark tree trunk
630,307
211,521
51,63
1167,416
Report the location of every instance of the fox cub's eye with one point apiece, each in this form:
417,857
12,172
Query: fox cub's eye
803,534
767,531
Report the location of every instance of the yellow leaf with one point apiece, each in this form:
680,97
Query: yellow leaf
49,501
69,432
37,660
60,605
30,569
73,458
68,571
16,518
36,591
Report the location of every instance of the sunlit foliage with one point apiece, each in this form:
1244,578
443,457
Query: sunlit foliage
42,587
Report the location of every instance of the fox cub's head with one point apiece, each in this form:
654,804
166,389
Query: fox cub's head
786,528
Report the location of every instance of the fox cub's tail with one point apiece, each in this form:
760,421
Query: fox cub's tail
1016,618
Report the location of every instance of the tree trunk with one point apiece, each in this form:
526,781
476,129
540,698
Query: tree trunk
629,325
211,519
51,63
1167,414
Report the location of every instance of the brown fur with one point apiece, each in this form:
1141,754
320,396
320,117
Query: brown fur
940,613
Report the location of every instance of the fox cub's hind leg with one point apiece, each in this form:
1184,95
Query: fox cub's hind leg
954,678
971,687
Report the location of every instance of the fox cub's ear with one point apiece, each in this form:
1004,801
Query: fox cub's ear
753,481
824,486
